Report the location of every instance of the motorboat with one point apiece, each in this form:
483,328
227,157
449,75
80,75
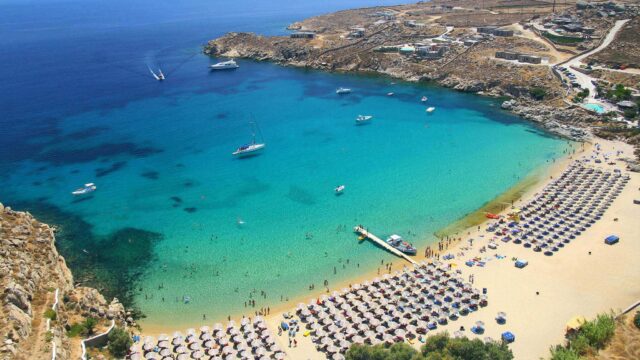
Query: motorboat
250,149
424,99
430,109
225,65
342,91
363,119
398,243
87,188
339,189
389,94
159,76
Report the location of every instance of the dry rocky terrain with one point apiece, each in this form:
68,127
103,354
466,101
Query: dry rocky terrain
31,270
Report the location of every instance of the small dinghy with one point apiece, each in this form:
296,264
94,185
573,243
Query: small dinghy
424,99
363,119
339,190
342,91
430,109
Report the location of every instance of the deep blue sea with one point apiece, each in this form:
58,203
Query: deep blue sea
176,216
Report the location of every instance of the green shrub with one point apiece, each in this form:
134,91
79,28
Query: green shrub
119,342
48,336
75,330
599,331
561,353
538,93
89,325
50,314
636,319
630,113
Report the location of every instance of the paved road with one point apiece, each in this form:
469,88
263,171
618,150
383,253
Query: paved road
583,79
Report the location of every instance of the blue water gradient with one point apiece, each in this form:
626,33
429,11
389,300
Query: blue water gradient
80,106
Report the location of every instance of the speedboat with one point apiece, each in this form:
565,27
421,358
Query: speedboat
430,109
87,188
363,119
250,149
424,99
225,65
390,94
341,91
399,244
339,189
159,76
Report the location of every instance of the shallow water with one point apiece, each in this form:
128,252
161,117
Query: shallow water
164,223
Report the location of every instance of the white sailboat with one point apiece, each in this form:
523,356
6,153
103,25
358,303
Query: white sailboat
253,148
342,91
430,109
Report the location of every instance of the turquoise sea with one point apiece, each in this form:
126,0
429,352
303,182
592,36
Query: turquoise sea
176,216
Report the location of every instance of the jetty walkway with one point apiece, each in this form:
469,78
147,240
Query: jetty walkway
362,231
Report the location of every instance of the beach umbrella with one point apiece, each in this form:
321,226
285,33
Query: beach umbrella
400,332
458,334
181,350
332,328
260,351
148,346
213,352
332,349
135,356
197,354
227,349
237,339
381,329
269,340
182,357
229,356
344,344
357,339
163,337
339,336
223,341
151,355
165,352
244,354
256,343
326,341
279,355
164,344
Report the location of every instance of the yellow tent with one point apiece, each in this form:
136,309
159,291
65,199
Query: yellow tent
575,323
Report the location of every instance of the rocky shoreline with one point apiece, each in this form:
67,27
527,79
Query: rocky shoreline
565,121
31,270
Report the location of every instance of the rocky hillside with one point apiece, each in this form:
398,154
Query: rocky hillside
31,270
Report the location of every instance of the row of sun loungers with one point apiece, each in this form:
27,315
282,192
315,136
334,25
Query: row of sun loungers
563,210
389,309
250,341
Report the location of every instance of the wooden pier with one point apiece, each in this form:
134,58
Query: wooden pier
362,231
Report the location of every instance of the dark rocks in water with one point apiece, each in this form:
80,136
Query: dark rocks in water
36,183
109,262
87,133
152,175
176,199
74,171
190,210
179,165
62,156
80,199
188,183
300,195
221,116
100,172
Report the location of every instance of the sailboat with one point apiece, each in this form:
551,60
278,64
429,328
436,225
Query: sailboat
159,76
250,149
430,109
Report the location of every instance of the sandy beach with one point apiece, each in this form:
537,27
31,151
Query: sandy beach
586,278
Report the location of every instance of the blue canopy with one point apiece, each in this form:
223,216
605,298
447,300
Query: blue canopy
611,239
508,336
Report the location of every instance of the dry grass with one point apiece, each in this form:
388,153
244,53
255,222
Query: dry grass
625,343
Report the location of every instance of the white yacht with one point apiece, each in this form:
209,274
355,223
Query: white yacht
339,189
430,109
87,188
250,149
363,119
225,65
341,91
424,99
